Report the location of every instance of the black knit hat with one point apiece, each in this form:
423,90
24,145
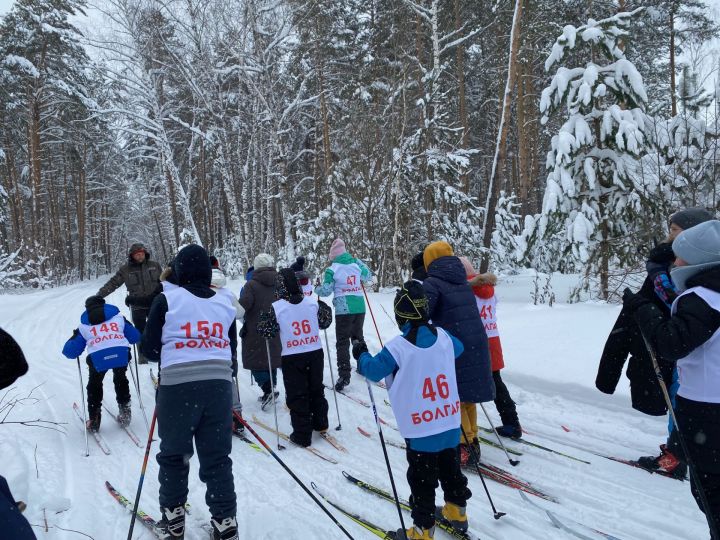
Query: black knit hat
417,261
411,304
93,301
689,217
287,286
298,265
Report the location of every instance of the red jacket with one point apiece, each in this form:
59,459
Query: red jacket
486,291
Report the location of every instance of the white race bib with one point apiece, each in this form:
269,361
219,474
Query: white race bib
196,328
347,279
424,394
299,327
486,307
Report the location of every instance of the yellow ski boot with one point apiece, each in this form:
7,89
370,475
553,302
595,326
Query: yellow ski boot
417,533
455,515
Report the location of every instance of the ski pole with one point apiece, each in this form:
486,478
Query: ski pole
82,393
332,379
292,474
513,462
272,389
387,459
706,508
367,300
136,381
476,459
142,473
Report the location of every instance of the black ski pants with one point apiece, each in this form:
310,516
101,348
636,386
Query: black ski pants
95,387
347,328
424,471
699,423
504,403
139,318
304,393
199,411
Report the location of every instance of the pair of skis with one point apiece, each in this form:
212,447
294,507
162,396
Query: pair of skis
491,472
284,436
102,444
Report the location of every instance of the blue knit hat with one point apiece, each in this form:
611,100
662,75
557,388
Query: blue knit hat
699,247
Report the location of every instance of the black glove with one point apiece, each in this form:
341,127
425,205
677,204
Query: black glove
358,348
632,301
129,301
662,253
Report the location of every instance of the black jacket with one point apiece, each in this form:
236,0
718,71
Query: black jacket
625,339
12,360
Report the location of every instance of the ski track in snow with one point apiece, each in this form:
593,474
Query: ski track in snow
551,359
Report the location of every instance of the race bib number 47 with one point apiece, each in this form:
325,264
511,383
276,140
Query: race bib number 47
204,335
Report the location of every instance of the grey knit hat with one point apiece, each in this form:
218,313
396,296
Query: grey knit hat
699,247
689,217
264,260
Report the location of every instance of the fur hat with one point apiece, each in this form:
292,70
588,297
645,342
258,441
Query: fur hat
337,248
411,304
264,260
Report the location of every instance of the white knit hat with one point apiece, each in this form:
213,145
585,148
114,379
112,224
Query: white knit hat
264,260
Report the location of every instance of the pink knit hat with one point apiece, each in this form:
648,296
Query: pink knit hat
469,270
337,248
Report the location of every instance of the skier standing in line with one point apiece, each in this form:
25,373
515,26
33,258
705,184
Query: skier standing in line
191,331
690,339
452,307
107,336
420,370
298,319
256,297
344,281
483,286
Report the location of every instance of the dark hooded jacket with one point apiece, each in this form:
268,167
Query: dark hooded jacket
192,271
257,297
12,360
452,307
625,339
142,282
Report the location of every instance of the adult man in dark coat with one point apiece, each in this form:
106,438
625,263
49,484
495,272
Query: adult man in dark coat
452,307
625,339
141,276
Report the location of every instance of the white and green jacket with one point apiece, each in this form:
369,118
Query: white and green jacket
344,280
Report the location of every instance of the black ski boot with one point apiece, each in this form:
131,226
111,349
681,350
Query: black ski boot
225,529
172,524
125,414
342,382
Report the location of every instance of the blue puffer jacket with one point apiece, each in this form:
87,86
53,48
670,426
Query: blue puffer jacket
453,308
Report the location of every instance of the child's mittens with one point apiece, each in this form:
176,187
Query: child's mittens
358,348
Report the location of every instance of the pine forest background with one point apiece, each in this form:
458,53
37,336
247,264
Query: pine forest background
556,135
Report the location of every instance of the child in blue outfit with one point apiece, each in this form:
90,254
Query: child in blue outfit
419,368
107,336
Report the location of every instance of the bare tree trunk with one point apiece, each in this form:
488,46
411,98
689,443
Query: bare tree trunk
500,147
462,106
673,98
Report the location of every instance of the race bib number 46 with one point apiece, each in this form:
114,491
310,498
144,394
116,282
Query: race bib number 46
431,391
204,335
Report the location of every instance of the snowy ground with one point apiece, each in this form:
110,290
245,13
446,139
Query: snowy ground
551,356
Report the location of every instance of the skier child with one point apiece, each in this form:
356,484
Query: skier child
483,285
302,276
419,367
298,319
344,281
191,331
107,336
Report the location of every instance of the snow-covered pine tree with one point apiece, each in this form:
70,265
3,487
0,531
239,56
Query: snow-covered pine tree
505,252
591,201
